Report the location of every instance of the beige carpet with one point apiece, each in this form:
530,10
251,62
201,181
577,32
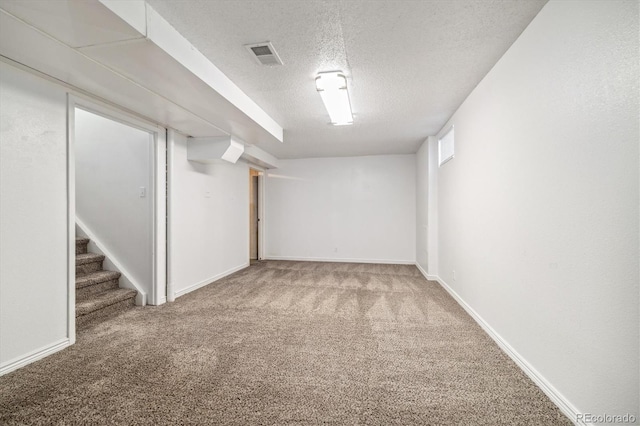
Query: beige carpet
285,343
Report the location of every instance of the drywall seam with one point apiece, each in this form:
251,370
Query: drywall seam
209,280
33,356
556,397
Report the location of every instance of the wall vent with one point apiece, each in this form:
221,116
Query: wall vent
264,53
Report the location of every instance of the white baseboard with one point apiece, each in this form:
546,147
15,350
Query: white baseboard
554,395
209,280
111,262
341,260
424,273
33,356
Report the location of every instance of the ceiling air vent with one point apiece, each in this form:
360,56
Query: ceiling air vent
264,53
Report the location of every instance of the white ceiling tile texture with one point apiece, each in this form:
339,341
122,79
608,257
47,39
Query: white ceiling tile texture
409,64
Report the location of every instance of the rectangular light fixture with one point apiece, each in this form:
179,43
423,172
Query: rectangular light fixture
332,87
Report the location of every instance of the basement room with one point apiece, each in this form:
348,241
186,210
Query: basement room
312,212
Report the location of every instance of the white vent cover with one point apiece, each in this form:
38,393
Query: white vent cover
264,53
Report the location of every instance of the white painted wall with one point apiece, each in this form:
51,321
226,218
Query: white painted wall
33,215
208,219
538,211
359,209
113,161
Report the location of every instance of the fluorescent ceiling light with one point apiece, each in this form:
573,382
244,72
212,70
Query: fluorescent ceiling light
332,87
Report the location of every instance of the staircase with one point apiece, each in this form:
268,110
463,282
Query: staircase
98,295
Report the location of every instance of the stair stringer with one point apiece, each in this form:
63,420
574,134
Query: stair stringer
111,262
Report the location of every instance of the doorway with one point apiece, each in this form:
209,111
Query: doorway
117,168
255,190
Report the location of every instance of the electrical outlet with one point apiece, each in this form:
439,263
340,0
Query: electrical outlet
143,192
335,249
454,274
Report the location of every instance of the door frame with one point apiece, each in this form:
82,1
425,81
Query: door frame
158,193
261,210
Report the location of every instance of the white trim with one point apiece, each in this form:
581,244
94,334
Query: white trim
71,221
341,260
111,262
159,231
262,223
262,182
554,395
209,280
151,203
424,273
35,355
441,161
104,110
171,133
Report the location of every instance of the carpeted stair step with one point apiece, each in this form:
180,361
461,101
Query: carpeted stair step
103,305
81,245
96,282
87,263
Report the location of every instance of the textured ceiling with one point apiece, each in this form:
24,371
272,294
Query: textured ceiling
410,64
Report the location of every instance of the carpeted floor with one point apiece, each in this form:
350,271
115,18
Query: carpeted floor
285,343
